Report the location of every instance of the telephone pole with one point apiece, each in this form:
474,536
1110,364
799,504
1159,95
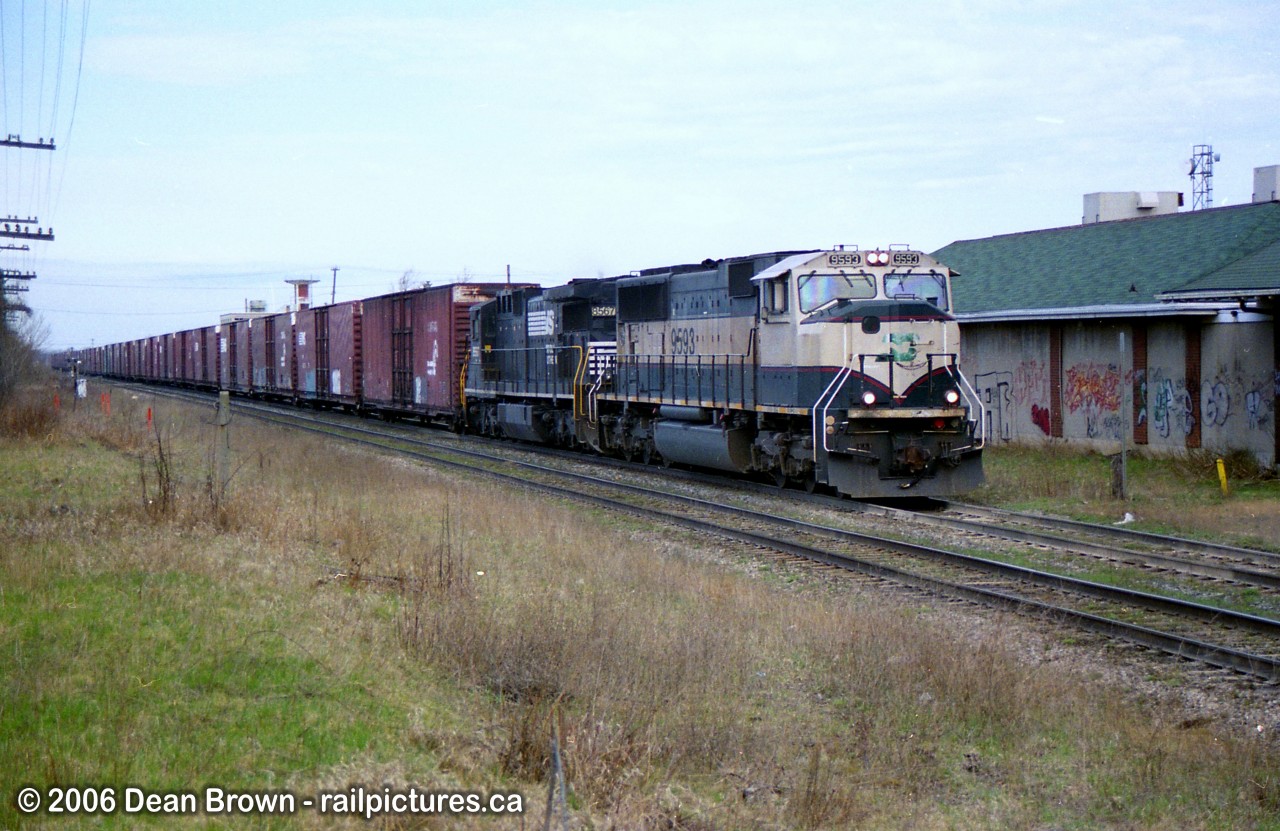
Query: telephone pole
333,296
19,228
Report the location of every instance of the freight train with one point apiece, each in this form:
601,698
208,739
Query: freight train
835,369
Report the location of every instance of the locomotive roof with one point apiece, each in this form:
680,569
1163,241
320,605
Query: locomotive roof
783,266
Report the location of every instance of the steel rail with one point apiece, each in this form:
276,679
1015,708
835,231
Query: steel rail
1261,666
1253,555
1235,574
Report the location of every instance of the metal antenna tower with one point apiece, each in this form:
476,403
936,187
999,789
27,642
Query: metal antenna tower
1202,159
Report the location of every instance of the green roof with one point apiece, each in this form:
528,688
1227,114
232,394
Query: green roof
1258,273
1229,251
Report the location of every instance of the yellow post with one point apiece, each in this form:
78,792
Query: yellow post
1222,478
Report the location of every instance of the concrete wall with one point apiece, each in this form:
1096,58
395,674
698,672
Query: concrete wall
1177,383
1238,388
1009,367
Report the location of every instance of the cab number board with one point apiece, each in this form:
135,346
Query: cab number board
844,258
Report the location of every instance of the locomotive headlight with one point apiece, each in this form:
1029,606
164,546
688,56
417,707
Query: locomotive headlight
868,398
877,258
952,397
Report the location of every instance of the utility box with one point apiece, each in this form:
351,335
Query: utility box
1266,183
1108,207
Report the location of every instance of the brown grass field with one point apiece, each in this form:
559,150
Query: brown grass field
338,619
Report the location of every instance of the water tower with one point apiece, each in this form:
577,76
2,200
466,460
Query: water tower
302,292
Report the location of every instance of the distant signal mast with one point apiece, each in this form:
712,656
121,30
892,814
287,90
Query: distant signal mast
1202,159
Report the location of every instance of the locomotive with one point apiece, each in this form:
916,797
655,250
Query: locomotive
834,368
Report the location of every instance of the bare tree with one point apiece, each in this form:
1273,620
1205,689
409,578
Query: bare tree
21,337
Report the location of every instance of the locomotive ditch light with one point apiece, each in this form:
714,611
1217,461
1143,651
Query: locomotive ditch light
868,398
952,397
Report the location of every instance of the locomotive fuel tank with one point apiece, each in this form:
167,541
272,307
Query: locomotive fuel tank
704,445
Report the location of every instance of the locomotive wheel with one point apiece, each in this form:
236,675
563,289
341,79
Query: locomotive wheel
779,478
809,483
646,453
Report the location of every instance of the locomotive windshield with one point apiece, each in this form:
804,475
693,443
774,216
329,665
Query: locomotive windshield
929,286
817,290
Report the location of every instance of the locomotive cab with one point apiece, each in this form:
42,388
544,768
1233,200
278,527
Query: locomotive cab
865,344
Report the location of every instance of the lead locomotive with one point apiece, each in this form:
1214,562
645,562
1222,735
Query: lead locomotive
836,368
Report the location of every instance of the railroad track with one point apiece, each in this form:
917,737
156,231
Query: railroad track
1241,642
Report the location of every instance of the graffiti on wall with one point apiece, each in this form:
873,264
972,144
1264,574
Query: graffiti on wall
1229,394
1170,406
1030,383
994,393
1095,389
1013,398
1216,405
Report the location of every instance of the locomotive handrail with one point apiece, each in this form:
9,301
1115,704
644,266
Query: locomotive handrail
531,380
975,402
578,375
832,390
629,368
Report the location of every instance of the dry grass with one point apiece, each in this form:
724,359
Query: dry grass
1178,494
684,695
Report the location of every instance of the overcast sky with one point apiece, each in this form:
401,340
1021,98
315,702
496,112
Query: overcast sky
220,148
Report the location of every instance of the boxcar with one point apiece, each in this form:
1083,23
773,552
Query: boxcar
233,345
203,359
269,355
414,344
327,353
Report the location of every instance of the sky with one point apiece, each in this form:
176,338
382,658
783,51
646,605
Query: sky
206,152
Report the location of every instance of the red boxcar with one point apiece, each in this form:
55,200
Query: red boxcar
414,345
203,360
286,364
235,349
170,358
153,357
197,354
270,350
327,353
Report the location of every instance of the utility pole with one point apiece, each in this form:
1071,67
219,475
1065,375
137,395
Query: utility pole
20,228
333,297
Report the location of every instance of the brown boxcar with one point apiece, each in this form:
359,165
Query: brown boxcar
182,357
196,347
233,347
170,357
204,357
414,345
227,354
327,353
153,353
270,344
